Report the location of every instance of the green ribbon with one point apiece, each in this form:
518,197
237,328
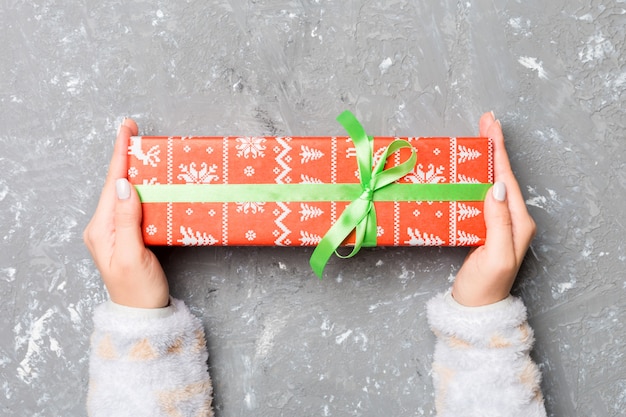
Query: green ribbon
239,193
376,184
360,215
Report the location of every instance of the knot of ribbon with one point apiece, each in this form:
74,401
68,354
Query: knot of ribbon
360,214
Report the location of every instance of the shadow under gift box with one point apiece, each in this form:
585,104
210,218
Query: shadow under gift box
299,212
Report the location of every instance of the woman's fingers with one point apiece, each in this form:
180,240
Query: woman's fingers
522,225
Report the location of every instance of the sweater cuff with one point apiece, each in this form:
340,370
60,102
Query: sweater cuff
476,325
503,304
140,313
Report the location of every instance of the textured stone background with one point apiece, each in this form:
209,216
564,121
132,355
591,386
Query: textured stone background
282,342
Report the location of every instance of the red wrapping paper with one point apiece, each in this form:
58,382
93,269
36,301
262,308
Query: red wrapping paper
285,160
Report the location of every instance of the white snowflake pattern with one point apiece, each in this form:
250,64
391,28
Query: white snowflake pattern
276,170
209,150
187,148
189,211
132,172
431,176
275,233
250,235
211,213
248,171
416,212
250,207
151,229
438,214
192,175
380,231
250,146
436,151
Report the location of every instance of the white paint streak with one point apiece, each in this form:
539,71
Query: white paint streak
596,48
564,286
385,65
532,64
374,307
342,337
265,342
8,274
537,200
27,370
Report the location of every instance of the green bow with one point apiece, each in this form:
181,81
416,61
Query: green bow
360,215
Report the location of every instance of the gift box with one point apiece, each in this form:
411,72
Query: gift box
297,191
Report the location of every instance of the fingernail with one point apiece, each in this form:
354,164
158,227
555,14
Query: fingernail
122,186
499,191
499,124
493,115
119,127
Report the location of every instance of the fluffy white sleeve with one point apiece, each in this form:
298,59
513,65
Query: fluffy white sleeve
148,363
482,365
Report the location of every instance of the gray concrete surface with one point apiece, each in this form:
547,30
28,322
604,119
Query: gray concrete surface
283,343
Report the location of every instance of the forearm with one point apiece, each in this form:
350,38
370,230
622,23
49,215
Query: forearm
148,363
482,364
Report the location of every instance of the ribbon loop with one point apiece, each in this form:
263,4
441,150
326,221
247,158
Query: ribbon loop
360,215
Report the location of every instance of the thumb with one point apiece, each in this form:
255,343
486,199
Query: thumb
127,217
498,221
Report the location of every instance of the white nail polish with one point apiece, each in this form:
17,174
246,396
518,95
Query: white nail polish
119,127
499,191
122,187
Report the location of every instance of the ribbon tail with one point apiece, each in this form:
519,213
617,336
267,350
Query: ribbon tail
352,216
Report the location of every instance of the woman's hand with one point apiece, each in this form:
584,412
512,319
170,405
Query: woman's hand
131,273
489,271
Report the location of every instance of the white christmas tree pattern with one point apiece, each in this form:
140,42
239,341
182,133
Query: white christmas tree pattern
467,212
422,239
464,179
305,179
309,212
467,154
309,239
195,239
309,154
467,239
